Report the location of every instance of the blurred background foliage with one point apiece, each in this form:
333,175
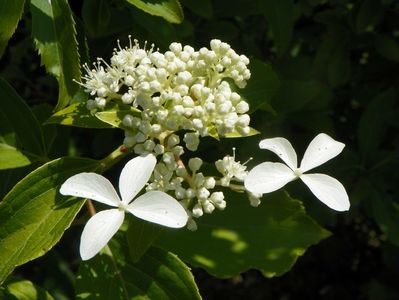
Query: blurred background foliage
332,66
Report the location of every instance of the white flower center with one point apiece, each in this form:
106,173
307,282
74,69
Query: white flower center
298,172
122,206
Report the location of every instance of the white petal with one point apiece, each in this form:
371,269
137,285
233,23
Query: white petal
282,148
135,175
91,186
268,177
321,149
328,190
158,207
99,230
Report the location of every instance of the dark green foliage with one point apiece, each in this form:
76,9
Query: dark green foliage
317,66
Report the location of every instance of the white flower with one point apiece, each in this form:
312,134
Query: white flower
154,206
269,176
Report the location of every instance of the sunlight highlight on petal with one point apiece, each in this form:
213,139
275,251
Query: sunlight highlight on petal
321,149
268,177
98,231
91,186
328,190
135,175
283,148
160,208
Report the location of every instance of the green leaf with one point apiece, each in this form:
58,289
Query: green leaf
252,132
269,238
295,94
53,30
170,10
369,15
77,115
158,275
140,236
332,62
25,290
386,213
34,216
388,47
20,134
372,124
11,13
202,8
114,117
339,67
96,15
261,87
11,157
280,16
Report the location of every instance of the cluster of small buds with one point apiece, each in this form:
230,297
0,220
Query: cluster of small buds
181,89
189,186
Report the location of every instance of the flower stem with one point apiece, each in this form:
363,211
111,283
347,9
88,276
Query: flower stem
114,157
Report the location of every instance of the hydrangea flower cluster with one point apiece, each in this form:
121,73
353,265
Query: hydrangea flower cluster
183,95
180,90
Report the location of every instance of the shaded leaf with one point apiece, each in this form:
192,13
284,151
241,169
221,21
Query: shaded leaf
96,16
369,14
11,13
170,10
21,137
53,30
295,94
23,289
202,8
372,124
280,16
388,47
140,236
386,213
158,275
34,216
261,87
269,238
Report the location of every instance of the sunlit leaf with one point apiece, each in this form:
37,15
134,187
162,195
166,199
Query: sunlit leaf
236,134
115,117
158,275
10,12
77,115
170,10
11,157
269,238
53,30
34,216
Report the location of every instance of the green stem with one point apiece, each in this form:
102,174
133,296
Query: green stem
114,157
